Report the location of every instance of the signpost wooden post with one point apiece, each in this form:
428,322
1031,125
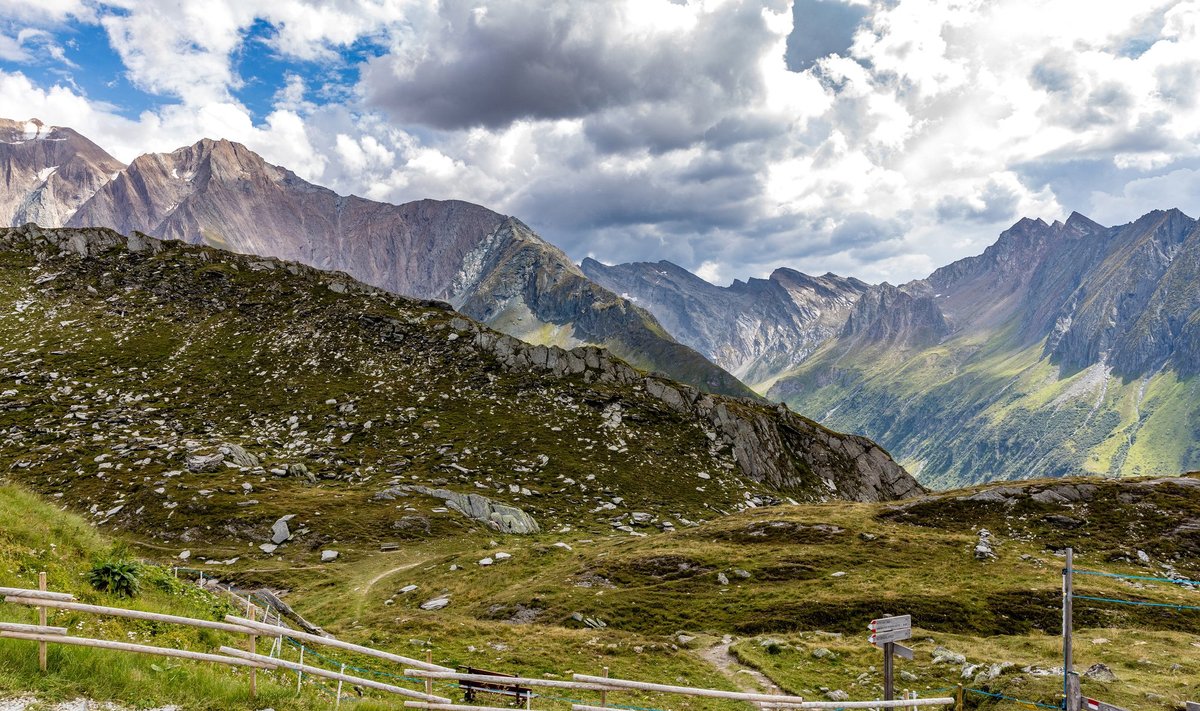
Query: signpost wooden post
1073,696
1067,614
887,631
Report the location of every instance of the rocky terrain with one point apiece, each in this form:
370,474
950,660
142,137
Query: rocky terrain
768,598
756,329
221,194
166,385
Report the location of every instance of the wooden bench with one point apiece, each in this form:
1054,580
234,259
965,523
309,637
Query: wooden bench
521,693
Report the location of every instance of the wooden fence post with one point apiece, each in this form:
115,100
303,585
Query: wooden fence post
958,705
299,672
428,681
253,649
42,663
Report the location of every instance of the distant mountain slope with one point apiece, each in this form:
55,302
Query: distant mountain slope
46,173
756,329
151,358
487,265
223,194
1062,349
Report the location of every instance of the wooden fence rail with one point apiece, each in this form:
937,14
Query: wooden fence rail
624,684
457,707
31,629
132,614
128,647
514,680
277,631
40,594
336,676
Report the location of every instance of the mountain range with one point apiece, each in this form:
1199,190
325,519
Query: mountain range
1064,348
487,265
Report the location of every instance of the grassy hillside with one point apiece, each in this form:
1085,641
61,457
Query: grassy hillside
983,407
36,536
799,585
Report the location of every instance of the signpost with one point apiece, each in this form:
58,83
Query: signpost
887,631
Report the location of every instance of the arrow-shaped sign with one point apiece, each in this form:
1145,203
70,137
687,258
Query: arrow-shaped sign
887,624
890,636
1094,705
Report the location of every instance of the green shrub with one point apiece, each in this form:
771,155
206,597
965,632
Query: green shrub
116,574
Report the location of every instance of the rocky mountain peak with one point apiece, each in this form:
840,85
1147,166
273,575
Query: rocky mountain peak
1079,225
47,172
896,317
757,328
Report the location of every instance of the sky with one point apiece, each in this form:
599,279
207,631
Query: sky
873,138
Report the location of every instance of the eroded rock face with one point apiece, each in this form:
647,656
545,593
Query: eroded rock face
771,445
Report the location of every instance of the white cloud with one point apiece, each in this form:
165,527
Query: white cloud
651,129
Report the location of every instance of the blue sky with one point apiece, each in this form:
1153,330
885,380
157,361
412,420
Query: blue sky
875,138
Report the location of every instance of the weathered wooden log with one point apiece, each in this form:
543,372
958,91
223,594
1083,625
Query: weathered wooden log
286,610
613,684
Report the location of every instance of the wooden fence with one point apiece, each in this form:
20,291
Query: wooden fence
43,634
414,669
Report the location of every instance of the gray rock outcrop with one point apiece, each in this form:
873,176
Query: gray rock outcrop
498,516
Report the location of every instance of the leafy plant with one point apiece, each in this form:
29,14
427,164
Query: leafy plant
117,574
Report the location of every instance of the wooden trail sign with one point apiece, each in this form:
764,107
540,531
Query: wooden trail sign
1094,705
887,631
888,624
890,629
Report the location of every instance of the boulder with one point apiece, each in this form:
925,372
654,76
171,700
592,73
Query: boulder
498,516
237,455
1099,672
436,603
279,530
205,463
329,556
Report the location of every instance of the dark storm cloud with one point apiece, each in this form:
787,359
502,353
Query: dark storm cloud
822,28
554,59
663,199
